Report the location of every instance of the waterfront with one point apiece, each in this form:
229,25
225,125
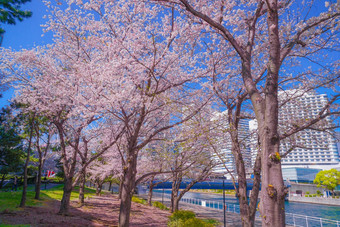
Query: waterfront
308,209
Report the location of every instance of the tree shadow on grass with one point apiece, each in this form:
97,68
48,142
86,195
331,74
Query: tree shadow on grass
97,211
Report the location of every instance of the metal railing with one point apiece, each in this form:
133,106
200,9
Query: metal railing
291,219
309,221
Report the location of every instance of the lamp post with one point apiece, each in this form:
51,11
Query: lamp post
1,38
224,219
163,195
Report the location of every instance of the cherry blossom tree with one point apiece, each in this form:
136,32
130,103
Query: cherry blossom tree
126,61
95,145
153,167
190,155
264,36
48,88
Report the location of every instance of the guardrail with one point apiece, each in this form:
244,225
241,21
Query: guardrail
309,221
291,219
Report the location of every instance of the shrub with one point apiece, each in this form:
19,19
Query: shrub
212,222
138,200
191,222
337,197
307,192
318,192
195,222
176,223
159,205
182,214
186,218
56,180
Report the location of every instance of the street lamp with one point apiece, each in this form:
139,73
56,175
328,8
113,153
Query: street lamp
1,37
224,217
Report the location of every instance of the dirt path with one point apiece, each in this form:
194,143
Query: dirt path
98,211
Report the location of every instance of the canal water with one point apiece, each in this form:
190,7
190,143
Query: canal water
308,209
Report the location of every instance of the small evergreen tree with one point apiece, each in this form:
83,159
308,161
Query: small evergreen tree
11,153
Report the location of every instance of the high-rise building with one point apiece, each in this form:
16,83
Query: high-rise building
224,146
312,147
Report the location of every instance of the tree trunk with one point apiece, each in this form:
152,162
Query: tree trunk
82,189
24,188
247,220
120,189
175,205
128,186
2,180
272,189
151,185
174,197
150,194
110,185
65,201
99,187
38,182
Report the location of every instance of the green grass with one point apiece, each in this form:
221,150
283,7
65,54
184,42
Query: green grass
10,201
3,225
217,191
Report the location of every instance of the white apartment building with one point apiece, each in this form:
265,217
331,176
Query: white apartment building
224,146
315,149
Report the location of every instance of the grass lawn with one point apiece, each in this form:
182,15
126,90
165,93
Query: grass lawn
10,200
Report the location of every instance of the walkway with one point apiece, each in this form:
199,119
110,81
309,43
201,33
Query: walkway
232,219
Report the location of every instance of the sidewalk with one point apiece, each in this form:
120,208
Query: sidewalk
232,219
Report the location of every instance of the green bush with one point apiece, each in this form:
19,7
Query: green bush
56,180
195,222
176,223
182,214
337,197
318,192
191,222
307,192
186,218
138,200
212,222
159,205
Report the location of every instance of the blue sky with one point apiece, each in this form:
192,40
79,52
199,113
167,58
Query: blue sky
29,33
26,34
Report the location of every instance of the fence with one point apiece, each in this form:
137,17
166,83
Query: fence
291,219
308,221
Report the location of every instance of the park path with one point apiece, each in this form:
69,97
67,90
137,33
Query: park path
98,211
